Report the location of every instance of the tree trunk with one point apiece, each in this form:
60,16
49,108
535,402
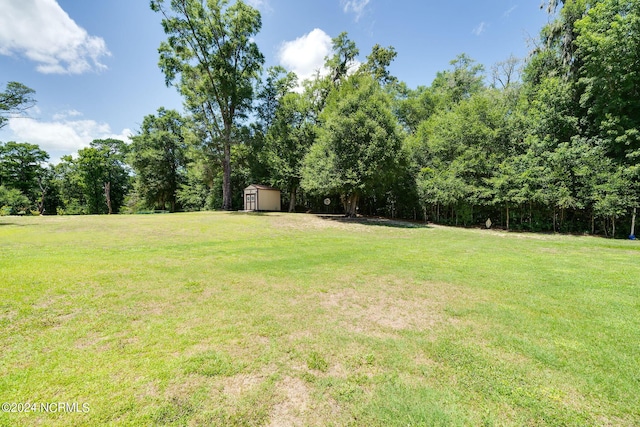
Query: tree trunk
107,196
292,200
43,193
226,176
41,204
633,224
613,227
352,206
507,217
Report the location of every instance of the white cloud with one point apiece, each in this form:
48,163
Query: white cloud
510,11
480,29
259,4
356,7
44,33
66,114
62,136
305,55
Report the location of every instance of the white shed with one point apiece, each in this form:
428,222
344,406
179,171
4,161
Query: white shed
261,198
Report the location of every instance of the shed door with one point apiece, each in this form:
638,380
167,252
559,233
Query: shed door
250,202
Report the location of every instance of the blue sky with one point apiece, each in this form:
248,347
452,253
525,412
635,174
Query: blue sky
93,64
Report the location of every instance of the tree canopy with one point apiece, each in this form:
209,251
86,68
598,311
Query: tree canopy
210,48
550,142
15,101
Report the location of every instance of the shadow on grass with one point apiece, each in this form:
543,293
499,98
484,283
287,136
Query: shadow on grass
12,223
374,221
257,213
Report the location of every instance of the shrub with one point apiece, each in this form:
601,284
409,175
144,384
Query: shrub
13,201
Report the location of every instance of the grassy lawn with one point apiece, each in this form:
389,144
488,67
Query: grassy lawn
238,319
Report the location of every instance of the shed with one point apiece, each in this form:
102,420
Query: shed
261,198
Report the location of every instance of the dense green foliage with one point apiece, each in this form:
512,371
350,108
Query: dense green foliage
96,181
547,144
358,146
158,157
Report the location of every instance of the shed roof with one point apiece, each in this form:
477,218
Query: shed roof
261,187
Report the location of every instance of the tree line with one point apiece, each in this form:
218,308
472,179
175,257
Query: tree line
546,143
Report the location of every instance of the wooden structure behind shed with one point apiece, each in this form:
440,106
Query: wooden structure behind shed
261,198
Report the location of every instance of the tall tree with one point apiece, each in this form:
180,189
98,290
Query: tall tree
103,175
358,146
158,157
70,186
21,164
14,101
287,142
210,46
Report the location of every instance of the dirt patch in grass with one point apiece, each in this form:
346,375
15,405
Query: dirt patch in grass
294,404
380,311
304,222
149,390
240,384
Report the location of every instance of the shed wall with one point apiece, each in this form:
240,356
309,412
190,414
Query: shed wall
268,200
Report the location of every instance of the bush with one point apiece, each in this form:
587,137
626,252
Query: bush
13,201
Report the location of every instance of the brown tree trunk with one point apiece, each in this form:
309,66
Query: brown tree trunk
352,206
226,176
292,200
507,217
613,227
41,204
107,196
43,193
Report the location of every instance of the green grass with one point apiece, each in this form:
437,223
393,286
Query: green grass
237,319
